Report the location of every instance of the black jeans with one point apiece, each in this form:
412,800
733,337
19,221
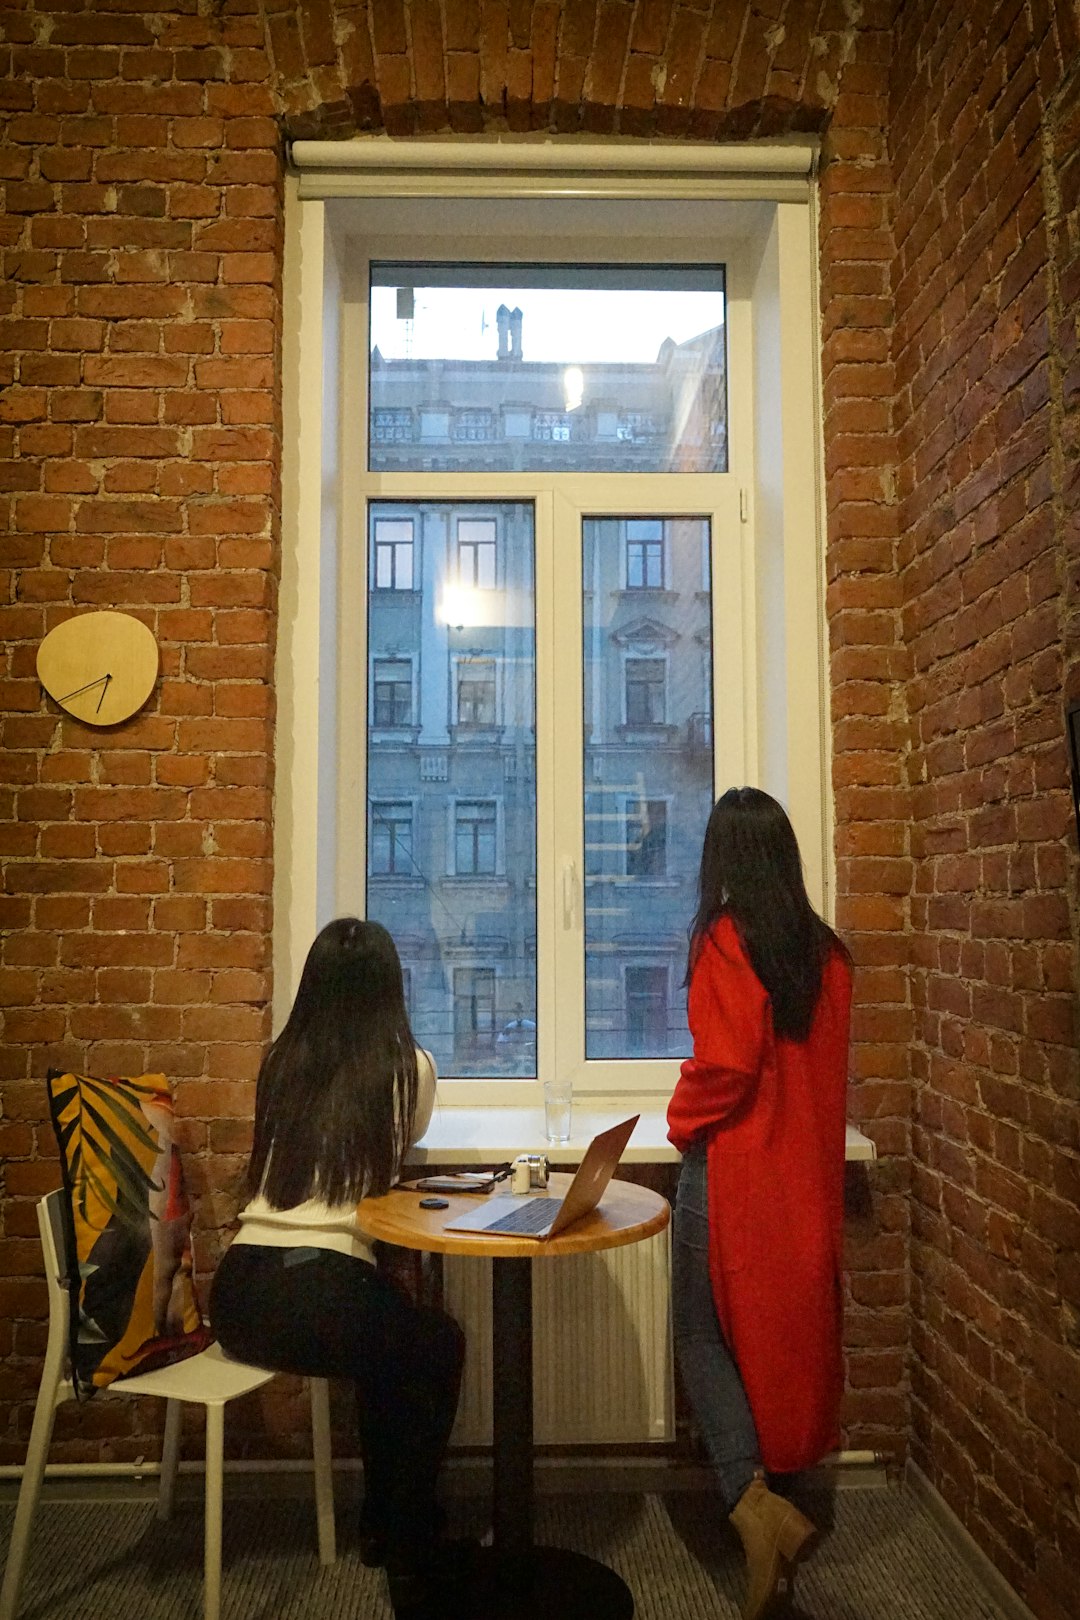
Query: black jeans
327,1315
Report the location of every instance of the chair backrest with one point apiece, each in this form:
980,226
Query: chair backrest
54,1244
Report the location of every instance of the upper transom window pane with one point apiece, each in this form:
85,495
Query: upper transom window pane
554,368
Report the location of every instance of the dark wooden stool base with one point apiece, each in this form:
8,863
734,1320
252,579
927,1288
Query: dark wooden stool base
551,1583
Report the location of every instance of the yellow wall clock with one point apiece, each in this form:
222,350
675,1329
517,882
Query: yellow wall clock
100,667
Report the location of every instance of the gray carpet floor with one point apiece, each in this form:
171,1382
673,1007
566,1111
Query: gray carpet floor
881,1558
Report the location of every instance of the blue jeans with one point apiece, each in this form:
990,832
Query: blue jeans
707,1367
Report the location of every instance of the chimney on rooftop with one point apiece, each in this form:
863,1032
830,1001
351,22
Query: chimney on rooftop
515,334
502,320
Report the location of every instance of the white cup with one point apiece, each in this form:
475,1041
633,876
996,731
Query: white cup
558,1107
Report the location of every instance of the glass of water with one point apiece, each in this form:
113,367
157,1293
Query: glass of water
558,1105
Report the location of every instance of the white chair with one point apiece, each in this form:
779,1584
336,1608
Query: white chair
209,1379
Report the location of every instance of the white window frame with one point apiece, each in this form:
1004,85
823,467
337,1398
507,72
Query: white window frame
772,675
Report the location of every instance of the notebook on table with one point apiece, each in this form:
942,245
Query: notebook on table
539,1216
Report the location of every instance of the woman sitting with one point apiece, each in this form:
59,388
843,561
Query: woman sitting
342,1093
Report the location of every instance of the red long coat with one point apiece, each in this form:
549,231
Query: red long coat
773,1113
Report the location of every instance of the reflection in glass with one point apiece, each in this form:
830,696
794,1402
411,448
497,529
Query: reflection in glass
451,773
555,368
648,774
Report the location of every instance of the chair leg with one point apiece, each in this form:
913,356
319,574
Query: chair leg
323,1468
170,1456
215,1469
29,1491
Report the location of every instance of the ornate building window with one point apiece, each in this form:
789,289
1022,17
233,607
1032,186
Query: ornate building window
474,426
391,838
646,691
476,553
392,692
645,554
393,554
391,425
475,841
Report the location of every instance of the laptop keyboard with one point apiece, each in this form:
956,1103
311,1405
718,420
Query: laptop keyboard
531,1217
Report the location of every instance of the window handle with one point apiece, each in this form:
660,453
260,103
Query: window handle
569,894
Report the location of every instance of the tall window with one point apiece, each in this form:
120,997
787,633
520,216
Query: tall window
644,555
393,554
475,826
636,544
391,838
476,553
646,838
647,794
474,1012
451,768
584,742
392,694
645,692
476,692
646,1007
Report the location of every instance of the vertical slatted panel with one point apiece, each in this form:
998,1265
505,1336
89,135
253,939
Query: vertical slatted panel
602,1364
467,1296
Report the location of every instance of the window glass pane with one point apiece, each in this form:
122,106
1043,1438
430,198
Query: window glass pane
477,553
475,1018
392,563
646,838
476,692
451,827
391,838
557,368
648,775
392,683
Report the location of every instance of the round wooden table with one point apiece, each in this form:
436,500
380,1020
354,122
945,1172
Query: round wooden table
549,1580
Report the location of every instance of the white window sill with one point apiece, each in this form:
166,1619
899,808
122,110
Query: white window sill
492,1135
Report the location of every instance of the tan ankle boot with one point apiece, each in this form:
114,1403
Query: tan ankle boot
774,1535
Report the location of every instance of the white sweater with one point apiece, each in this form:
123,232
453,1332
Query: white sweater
316,1225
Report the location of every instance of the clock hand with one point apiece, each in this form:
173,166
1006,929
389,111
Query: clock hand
86,688
104,689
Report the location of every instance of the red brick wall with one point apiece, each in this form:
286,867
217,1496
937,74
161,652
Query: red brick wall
141,309
983,135
139,426
142,303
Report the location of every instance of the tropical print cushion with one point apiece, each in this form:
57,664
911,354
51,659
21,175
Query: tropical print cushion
133,1304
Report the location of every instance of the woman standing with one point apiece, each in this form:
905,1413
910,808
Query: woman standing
759,1116
342,1092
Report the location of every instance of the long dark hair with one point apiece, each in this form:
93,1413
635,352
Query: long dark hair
336,1095
751,871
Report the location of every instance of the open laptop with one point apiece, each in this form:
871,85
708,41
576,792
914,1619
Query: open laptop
538,1216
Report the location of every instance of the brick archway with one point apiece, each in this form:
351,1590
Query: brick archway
717,72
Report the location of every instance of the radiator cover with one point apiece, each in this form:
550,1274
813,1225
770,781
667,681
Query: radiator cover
602,1358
